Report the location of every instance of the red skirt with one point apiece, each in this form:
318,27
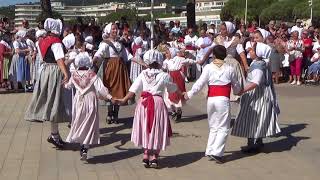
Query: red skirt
178,79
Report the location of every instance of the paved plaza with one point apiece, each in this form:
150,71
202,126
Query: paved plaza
293,155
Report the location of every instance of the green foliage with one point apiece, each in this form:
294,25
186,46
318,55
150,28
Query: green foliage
93,2
235,9
7,11
44,16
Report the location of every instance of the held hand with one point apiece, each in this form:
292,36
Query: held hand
185,96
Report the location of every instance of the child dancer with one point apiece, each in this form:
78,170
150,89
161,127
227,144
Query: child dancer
173,64
151,126
85,115
220,77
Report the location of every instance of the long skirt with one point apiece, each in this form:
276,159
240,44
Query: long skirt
159,137
85,120
258,114
6,67
36,68
47,103
135,71
14,68
23,71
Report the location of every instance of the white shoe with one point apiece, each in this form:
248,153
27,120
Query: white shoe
299,83
294,82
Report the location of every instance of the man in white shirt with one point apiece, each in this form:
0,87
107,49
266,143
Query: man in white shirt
202,44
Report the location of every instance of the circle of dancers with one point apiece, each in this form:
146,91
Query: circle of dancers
74,80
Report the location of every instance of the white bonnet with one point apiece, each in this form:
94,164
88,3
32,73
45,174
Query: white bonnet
152,56
53,25
264,33
138,40
83,59
89,39
173,52
21,34
230,26
40,33
69,41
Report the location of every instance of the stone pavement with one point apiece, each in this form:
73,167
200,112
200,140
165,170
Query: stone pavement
294,154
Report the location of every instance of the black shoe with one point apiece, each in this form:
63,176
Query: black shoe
174,116
251,149
217,159
154,163
115,120
145,162
109,120
179,115
83,154
69,125
58,142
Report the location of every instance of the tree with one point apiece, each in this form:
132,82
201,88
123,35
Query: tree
281,10
46,8
7,11
235,9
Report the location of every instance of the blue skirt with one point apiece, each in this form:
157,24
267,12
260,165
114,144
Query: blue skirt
23,71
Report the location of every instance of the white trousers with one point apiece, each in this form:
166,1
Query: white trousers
218,109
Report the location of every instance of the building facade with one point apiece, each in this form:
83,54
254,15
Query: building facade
30,12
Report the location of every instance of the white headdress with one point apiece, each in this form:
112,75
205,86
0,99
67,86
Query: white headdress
264,33
89,39
173,52
138,40
83,59
53,25
69,41
152,56
230,27
40,33
21,34
107,30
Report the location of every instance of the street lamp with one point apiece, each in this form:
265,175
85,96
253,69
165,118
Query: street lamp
310,5
151,28
246,13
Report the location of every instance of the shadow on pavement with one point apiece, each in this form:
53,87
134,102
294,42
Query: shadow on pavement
281,145
180,160
193,118
118,156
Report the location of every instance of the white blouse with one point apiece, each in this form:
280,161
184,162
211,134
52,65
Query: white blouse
214,75
176,63
105,51
154,81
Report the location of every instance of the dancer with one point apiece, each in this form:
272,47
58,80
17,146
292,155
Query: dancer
47,103
151,126
115,72
259,108
85,115
220,77
174,63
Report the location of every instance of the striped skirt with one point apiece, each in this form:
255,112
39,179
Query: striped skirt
6,67
258,114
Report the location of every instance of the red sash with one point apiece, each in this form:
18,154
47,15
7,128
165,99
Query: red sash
178,79
135,47
148,102
46,43
190,48
219,90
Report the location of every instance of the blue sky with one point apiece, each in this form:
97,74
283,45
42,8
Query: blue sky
12,2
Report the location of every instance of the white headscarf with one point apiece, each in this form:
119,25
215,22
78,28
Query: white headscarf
230,27
69,41
173,52
107,30
83,59
41,33
138,40
21,34
263,50
53,25
89,39
152,56
89,46
264,33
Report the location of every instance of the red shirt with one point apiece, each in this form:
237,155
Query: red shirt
307,53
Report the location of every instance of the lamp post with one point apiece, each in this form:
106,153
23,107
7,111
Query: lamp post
311,13
152,26
246,13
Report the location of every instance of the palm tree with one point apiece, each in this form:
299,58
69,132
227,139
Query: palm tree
46,8
191,14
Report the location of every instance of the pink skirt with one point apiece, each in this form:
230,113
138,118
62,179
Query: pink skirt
158,138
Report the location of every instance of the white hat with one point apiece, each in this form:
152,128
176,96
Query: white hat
108,28
89,39
230,27
21,34
263,50
210,31
138,40
69,41
83,59
152,56
173,52
53,25
89,46
264,33
40,33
